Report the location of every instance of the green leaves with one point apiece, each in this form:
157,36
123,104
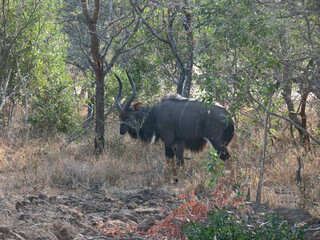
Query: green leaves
53,103
214,165
224,224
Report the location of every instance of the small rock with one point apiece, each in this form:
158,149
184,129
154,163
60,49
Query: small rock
4,229
152,204
108,199
116,216
32,198
294,215
42,197
158,216
52,198
62,231
132,216
20,205
74,197
314,221
145,225
76,214
116,223
24,217
132,205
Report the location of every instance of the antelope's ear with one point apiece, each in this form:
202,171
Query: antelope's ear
137,106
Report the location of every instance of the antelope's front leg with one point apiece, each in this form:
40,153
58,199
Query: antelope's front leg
179,153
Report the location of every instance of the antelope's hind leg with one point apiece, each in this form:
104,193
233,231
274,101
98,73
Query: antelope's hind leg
170,162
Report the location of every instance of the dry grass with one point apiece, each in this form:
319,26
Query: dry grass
129,164
280,185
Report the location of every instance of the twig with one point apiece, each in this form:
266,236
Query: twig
18,236
88,122
312,229
289,148
71,138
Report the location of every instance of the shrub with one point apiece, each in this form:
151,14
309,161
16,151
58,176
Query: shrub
224,224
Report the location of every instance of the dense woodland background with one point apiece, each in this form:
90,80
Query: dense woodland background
259,58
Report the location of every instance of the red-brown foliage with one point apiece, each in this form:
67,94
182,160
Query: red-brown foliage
193,209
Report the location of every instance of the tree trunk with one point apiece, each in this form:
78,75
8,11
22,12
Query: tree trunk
180,83
97,65
187,24
187,83
99,130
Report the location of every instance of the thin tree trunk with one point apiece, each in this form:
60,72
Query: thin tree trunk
91,99
99,130
305,137
264,149
26,107
181,81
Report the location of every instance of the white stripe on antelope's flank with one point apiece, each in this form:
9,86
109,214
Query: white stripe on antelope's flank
153,139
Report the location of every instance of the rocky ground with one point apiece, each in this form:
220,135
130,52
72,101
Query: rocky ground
82,215
75,214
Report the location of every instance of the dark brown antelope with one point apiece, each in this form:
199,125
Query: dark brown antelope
179,122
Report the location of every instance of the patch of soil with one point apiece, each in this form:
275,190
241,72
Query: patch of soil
82,215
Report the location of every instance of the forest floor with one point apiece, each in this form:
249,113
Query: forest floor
95,214
80,214
47,192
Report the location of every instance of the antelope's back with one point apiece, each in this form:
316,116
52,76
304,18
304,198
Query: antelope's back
182,117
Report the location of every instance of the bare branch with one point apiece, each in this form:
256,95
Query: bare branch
96,11
156,35
4,91
173,43
120,49
284,118
166,69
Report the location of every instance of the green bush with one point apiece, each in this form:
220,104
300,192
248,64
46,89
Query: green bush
54,106
214,165
51,91
223,224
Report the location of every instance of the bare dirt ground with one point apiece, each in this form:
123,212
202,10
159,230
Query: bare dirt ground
84,214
